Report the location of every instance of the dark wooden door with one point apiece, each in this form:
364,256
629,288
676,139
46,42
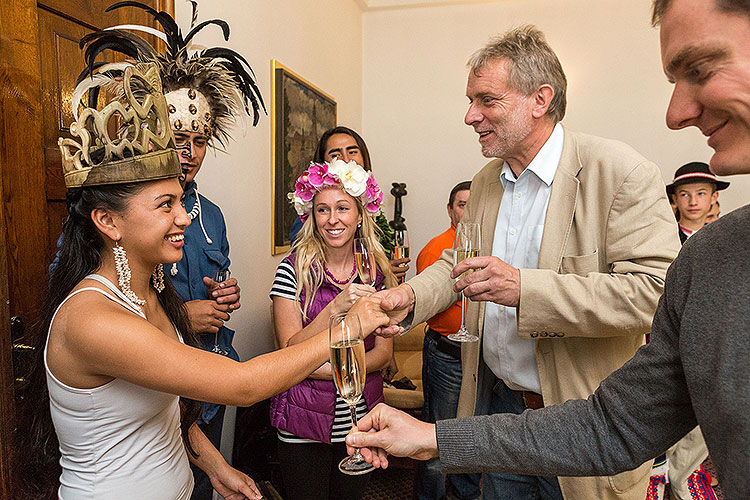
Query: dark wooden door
39,62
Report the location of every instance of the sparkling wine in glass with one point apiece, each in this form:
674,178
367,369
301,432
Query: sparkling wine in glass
401,245
365,260
347,348
467,244
219,276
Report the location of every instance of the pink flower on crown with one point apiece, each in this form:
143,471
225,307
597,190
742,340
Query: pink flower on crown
352,178
316,174
372,189
304,189
374,205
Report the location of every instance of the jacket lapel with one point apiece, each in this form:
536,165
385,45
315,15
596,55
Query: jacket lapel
491,204
561,207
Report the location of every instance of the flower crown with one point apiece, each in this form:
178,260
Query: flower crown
355,180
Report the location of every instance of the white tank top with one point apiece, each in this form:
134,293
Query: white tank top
118,441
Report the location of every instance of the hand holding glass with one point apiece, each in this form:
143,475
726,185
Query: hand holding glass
219,276
347,347
467,244
401,245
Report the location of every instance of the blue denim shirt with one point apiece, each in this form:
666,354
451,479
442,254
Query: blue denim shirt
201,258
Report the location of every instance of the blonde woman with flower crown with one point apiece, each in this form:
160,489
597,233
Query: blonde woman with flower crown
336,203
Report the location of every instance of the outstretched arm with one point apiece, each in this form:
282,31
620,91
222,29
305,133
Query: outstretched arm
88,350
636,414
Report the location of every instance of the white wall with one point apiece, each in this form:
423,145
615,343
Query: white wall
322,42
399,76
415,82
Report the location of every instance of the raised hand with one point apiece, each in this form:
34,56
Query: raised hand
386,430
225,293
397,302
371,316
207,316
400,267
493,280
349,295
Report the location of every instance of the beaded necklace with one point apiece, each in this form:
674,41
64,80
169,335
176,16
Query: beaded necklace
192,214
340,282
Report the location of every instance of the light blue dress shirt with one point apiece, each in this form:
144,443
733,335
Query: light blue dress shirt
518,236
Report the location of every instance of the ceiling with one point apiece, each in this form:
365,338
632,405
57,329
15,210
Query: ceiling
368,5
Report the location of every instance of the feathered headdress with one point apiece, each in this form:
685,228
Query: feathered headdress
205,90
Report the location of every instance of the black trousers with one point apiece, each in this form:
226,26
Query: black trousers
311,471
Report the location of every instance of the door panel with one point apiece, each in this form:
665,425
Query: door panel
39,62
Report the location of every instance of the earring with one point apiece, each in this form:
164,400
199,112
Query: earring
359,225
157,278
122,267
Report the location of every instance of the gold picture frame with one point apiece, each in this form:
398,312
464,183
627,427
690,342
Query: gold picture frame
300,113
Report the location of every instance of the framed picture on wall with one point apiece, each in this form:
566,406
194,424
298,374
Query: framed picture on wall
300,113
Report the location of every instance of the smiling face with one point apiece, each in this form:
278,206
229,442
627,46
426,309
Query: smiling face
152,226
706,54
694,201
191,148
343,147
500,114
336,217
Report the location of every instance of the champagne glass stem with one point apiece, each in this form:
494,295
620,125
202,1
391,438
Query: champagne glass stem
353,410
463,311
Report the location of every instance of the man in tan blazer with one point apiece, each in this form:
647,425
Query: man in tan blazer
591,249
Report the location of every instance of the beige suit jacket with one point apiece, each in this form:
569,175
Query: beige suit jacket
609,236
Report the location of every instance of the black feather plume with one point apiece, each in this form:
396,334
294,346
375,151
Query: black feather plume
224,28
221,74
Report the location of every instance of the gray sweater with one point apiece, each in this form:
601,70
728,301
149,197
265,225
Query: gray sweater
696,370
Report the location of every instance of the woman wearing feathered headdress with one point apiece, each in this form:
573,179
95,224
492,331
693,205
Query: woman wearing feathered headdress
206,91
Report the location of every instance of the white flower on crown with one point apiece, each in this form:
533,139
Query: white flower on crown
352,176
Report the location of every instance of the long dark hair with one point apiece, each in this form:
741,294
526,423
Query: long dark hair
320,152
80,253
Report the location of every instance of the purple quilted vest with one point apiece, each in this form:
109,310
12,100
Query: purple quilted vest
307,409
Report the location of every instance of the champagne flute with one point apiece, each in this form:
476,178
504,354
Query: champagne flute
401,246
347,348
467,244
365,260
218,276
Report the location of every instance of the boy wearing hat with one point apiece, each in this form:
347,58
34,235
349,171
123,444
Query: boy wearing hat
693,191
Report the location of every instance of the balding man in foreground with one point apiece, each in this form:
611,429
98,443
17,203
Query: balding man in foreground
696,369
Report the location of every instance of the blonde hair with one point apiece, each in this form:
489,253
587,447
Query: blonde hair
311,255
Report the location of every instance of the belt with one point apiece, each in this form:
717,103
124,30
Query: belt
445,345
530,400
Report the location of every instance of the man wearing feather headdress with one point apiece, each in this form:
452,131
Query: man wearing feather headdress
206,91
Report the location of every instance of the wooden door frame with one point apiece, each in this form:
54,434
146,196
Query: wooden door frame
21,163
20,115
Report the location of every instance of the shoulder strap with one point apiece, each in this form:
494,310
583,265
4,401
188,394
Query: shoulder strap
120,297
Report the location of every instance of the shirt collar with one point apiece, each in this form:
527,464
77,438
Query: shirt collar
544,165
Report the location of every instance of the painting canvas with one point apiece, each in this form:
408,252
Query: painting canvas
301,113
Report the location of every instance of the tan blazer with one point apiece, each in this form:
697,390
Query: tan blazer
609,236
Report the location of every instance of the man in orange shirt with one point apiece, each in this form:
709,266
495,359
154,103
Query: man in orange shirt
441,365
